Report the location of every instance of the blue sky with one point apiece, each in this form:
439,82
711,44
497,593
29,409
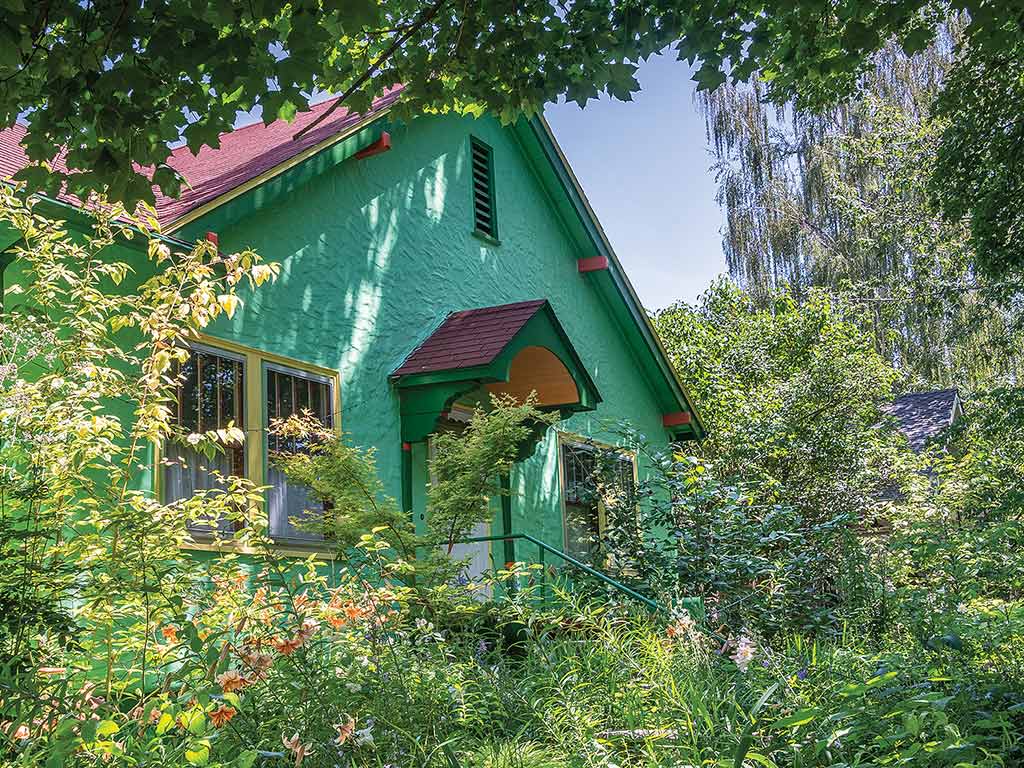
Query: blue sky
645,168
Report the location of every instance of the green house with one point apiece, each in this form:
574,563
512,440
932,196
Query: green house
424,264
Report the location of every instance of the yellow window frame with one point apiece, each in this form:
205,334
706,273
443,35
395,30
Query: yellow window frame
256,426
573,439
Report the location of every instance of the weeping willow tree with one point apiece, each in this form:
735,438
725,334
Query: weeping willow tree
839,200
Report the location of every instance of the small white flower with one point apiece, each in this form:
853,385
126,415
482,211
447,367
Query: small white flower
353,687
744,653
364,737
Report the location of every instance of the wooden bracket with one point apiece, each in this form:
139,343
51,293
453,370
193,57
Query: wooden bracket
677,419
383,144
592,264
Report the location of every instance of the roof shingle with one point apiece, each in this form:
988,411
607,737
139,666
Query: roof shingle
921,416
244,154
469,338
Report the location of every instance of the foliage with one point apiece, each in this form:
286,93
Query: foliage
115,83
977,177
773,384
981,478
464,470
345,479
842,201
466,466
87,340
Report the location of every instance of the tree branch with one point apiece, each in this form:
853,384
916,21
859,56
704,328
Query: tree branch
425,17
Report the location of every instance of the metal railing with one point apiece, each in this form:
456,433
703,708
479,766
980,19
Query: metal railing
590,571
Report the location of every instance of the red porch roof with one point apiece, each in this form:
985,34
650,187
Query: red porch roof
469,338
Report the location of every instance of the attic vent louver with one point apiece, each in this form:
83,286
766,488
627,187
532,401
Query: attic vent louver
485,215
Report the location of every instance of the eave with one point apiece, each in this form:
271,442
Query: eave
612,282
261,191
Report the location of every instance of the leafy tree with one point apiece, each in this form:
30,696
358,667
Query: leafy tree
762,515
114,82
791,394
85,381
465,474
978,175
841,200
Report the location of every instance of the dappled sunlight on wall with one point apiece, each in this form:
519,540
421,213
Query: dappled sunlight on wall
375,253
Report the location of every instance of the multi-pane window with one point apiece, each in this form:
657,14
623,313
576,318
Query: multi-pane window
291,507
210,396
597,483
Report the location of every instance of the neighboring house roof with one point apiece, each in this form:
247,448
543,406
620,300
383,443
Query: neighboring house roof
244,154
921,416
469,338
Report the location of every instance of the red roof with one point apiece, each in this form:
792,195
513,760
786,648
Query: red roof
469,338
243,155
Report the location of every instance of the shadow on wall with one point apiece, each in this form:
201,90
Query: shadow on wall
368,251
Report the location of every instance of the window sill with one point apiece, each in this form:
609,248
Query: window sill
284,548
485,237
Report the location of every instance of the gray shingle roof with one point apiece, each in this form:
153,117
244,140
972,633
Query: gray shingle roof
923,415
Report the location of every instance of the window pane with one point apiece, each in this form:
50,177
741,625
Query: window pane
208,391
188,404
285,395
290,393
594,477
210,395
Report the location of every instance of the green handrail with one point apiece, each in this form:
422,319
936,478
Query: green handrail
651,604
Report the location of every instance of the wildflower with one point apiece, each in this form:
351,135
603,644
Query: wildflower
681,627
744,653
354,612
231,680
170,633
297,748
364,736
309,628
258,664
288,646
345,730
220,716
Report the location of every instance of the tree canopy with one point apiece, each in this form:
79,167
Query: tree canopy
844,199
113,83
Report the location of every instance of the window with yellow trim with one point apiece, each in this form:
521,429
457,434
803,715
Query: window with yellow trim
292,513
210,396
218,388
597,482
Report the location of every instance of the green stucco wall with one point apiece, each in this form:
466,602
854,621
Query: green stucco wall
375,253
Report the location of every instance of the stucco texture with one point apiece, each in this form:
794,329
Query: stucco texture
375,253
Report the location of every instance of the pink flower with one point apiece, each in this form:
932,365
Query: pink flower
297,748
744,653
